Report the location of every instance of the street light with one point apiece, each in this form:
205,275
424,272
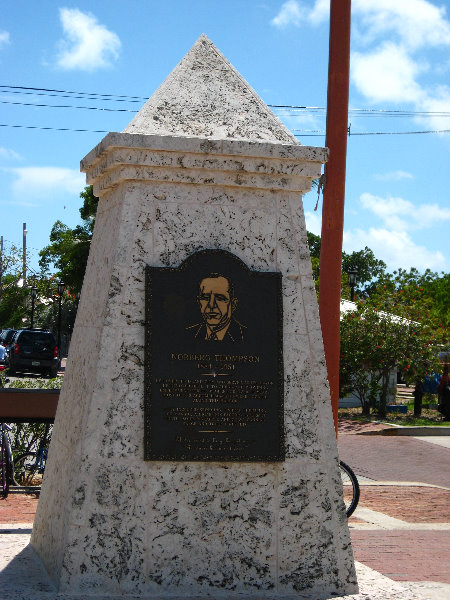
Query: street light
24,254
60,293
352,279
33,298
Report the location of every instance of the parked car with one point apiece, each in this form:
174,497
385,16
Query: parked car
6,335
33,350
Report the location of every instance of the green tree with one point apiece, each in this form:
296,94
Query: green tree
68,250
13,295
314,242
384,333
369,267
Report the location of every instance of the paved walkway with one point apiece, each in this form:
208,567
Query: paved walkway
400,531
401,527
401,458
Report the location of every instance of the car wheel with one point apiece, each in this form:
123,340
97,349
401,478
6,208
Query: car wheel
53,373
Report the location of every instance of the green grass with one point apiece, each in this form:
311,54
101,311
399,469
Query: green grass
429,417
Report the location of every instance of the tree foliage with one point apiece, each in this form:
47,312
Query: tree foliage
368,266
369,269
68,250
391,330
13,296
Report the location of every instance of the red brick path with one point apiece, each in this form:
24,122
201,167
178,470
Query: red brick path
385,458
412,504
18,508
405,555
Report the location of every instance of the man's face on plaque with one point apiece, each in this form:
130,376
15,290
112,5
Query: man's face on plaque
216,303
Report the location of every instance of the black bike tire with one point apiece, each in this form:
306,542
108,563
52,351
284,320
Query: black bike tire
6,468
21,459
350,509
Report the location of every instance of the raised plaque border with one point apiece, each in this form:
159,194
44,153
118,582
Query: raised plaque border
280,457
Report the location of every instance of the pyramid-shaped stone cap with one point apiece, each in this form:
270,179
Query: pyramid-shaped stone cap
205,96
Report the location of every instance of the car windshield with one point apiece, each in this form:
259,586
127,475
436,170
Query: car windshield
36,337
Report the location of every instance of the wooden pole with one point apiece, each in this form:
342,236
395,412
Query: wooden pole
334,191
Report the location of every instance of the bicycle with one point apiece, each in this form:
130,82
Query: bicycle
6,460
349,480
28,466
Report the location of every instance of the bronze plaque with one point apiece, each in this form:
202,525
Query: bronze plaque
213,361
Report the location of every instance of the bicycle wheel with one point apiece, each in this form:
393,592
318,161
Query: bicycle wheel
5,467
26,469
351,488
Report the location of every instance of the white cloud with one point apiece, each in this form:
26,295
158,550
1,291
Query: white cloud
290,14
320,12
295,13
38,182
391,37
88,45
394,176
9,154
437,102
395,248
313,222
4,38
401,215
391,69
387,74
417,23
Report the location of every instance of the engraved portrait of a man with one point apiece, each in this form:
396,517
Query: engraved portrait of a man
217,303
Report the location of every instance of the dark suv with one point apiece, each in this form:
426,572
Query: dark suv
33,350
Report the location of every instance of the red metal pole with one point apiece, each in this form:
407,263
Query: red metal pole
334,191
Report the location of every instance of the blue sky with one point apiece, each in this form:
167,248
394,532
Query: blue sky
397,190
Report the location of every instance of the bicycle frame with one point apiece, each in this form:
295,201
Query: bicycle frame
5,459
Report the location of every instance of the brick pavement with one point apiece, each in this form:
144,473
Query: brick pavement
18,508
384,458
406,550
412,504
405,555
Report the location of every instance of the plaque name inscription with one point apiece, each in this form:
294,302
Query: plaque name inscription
213,361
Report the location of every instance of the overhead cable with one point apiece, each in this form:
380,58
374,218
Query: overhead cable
308,133
125,98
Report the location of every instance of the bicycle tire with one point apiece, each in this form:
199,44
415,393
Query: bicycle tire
5,467
25,467
349,478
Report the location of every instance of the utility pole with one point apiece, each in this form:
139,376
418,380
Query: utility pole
334,191
24,255
1,265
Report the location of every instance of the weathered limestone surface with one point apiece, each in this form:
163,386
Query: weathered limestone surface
108,522
205,96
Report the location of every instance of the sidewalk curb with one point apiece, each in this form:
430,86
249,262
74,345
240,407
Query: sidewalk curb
411,431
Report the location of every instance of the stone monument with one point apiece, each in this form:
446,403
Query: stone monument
193,453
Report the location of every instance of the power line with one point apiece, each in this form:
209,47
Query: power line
57,95
19,87
308,132
321,134
124,98
366,111
68,106
54,128
126,110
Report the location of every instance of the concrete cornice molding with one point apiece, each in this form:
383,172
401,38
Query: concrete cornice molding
201,145
197,161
